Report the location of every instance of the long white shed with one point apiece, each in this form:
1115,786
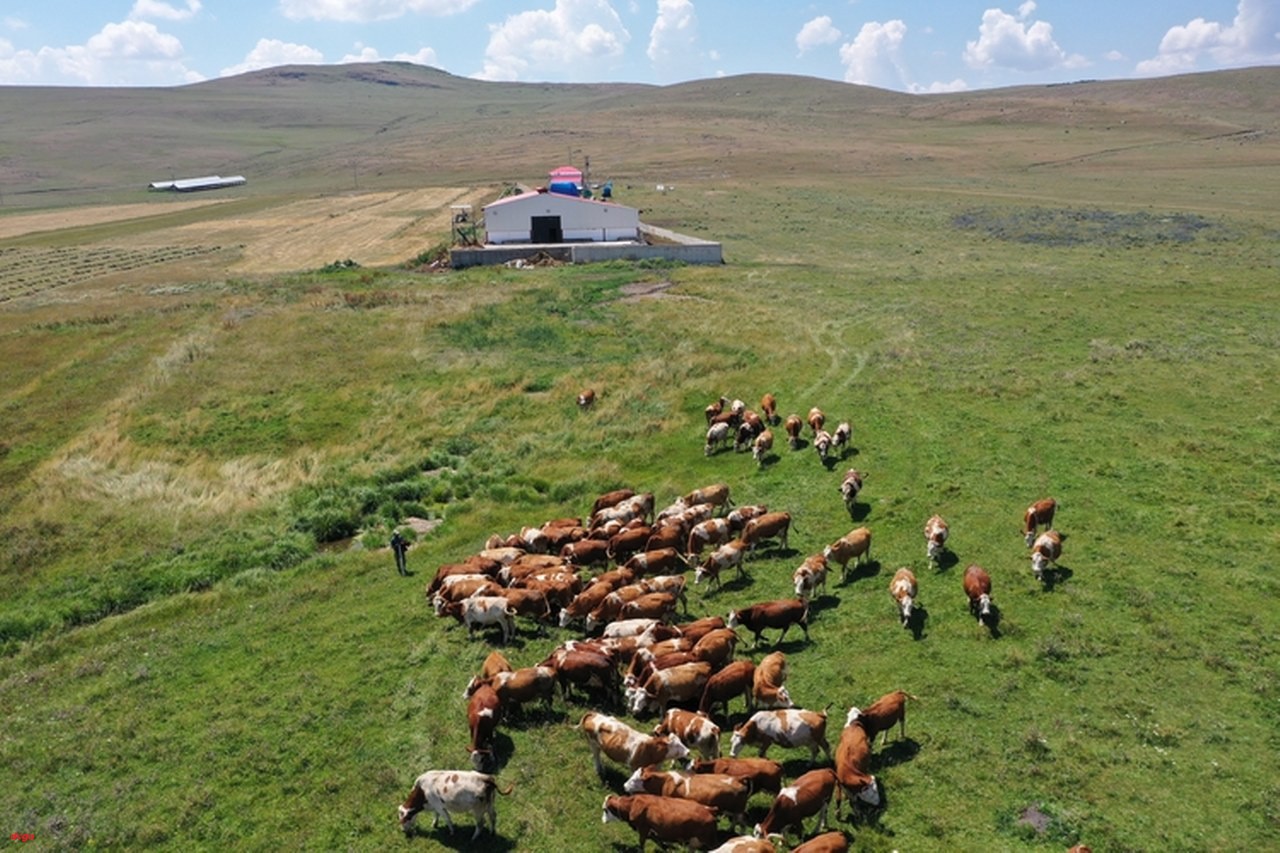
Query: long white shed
543,217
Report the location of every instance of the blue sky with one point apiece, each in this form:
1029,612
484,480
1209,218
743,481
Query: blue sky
907,45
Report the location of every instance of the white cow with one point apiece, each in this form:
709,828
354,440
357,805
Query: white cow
443,791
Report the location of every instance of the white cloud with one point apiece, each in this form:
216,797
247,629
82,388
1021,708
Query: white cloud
14,24
1114,56
369,10
149,9
571,41
131,53
1008,41
873,57
816,33
1253,37
673,40
939,88
268,53
425,56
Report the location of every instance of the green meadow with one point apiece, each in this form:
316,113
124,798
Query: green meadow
205,644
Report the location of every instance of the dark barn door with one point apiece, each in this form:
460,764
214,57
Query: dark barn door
546,229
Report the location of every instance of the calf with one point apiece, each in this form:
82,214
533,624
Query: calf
853,760
771,525
484,710
854,545
768,685
810,575
720,791
1046,550
762,774
935,537
789,728
977,585
760,617
809,795
718,435
881,715
625,745
587,398
761,446
793,425
664,819
903,589
694,729
726,556
1039,513
683,683
734,680
850,486
443,791
483,611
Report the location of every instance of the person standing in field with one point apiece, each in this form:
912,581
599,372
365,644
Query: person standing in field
399,546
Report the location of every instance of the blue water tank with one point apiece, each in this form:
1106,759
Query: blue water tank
563,188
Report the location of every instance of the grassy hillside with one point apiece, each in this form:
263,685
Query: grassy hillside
206,645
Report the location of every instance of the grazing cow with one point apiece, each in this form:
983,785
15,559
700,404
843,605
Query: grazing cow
816,419
810,575
628,542
849,488
935,537
716,647
611,499
484,710
726,556
627,746
664,819
722,792
1039,513
684,683
771,525
585,602
647,660
504,556
903,589
786,727
769,408
746,844
483,611
694,729
822,444
494,663
834,841
629,628
734,680
530,603
586,552
762,774
474,565
716,495
1047,549
761,447
853,760
768,685
530,564
659,562
854,545
520,687
699,628
713,531
739,516
809,795
715,409
751,427
587,399
588,669
534,540
660,606
977,585
760,617
444,791
881,715
840,438
460,587
793,425
669,533
718,435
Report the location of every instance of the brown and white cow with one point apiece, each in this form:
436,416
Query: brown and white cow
586,398
585,602
765,615
714,409
663,561
612,498
816,419
771,525
853,764
664,819
822,443
762,774
810,575
977,586
769,408
484,710
695,730
739,516
728,555
1046,551
768,685
494,663
482,612
586,552
834,841
809,795
936,532
793,425
586,669
628,542
751,427
683,683
904,590
1038,514
716,647
722,792
787,727
716,494
761,446
854,545
734,680
882,714
652,605
718,435
850,486
517,688
445,791
840,438
746,844
713,531
625,745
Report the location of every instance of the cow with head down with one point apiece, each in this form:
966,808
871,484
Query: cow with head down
445,791
625,745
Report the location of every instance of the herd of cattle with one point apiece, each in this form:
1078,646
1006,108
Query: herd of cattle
621,576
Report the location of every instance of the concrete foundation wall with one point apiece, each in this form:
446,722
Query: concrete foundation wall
676,247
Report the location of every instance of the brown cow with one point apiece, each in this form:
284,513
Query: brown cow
854,545
760,617
816,419
734,680
494,663
716,495
761,446
587,398
771,525
484,710
1039,513
660,562
664,819
751,427
716,647
809,795
793,426
834,841
977,586
669,533
768,686
586,552
628,542
520,687
682,683
699,628
746,844
881,715
612,498
722,792
1047,549
769,408
853,761
903,589
739,516
585,668
762,774
788,727
714,409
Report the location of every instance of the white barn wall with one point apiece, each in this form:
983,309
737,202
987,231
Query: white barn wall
509,220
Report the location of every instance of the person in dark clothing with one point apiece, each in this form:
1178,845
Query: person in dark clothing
399,545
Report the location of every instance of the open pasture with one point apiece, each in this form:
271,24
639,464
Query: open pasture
206,643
